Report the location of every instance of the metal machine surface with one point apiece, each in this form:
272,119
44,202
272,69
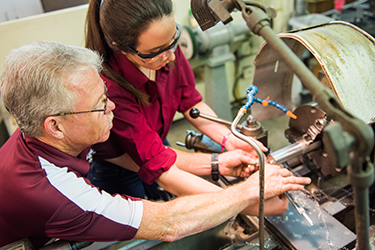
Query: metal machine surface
329,200
335,46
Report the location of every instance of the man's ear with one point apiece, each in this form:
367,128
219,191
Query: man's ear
53,127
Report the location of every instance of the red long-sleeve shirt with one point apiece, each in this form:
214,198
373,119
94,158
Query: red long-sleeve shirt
140,129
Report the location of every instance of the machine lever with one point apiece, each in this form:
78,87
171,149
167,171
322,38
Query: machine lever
181,144
195,113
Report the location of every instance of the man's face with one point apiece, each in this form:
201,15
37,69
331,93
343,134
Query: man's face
85,129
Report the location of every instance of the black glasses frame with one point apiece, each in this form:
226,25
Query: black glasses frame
89,111
152,55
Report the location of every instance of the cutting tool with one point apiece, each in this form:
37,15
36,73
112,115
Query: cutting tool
298,207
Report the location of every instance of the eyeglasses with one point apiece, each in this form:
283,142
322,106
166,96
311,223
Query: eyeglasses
152,55
105,100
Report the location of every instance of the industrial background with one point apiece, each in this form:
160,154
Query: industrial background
226,60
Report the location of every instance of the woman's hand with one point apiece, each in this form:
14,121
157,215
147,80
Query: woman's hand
238,163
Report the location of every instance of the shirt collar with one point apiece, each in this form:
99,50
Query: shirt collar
57,157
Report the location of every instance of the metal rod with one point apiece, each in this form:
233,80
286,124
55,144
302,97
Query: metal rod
259,152
361,182
293,150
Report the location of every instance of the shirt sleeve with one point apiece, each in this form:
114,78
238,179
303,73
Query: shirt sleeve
137,138
84,212
185,77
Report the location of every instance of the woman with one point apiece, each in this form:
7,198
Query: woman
149,79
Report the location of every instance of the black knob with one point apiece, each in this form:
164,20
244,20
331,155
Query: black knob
194,113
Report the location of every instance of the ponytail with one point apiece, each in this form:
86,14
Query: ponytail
95,40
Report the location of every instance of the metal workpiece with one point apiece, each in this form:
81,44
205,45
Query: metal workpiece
303,133
292,151
326,233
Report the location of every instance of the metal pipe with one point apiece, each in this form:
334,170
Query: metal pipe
259,152
361,183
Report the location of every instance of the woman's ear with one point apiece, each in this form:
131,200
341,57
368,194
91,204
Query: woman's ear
53,127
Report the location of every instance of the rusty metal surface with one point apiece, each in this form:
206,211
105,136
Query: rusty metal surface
273,78
345,53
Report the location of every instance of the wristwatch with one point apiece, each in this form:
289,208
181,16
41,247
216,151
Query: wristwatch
215,166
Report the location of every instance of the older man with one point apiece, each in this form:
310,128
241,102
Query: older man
61,107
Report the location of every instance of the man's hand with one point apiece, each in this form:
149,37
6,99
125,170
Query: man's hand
274,206
277,181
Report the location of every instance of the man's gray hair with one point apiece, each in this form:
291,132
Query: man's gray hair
35,81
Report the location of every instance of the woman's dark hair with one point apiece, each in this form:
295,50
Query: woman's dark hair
121,22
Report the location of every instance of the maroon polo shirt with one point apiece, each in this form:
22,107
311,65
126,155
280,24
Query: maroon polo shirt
44,194
140,129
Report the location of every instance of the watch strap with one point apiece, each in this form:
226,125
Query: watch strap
215,166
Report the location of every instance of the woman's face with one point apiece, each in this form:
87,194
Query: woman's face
161,34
